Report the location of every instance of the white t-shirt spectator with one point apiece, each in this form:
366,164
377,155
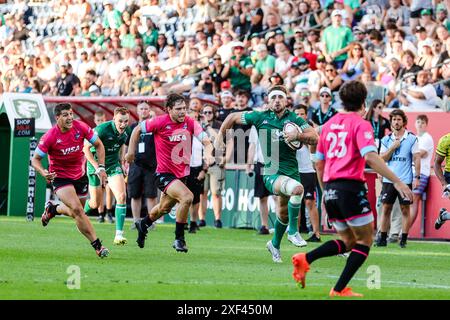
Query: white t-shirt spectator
426,143
429,102
253,138
304,160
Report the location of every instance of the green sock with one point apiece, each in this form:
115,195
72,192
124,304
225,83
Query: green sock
87,209
121,211
280,228
293,211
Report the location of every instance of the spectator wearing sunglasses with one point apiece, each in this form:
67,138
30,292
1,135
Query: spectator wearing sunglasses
325,112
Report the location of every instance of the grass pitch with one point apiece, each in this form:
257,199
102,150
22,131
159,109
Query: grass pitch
221,264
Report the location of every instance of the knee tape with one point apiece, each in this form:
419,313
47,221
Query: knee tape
288,186
296,200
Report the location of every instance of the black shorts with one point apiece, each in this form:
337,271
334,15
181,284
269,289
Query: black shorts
260,189
141,182
164,179
447,177
346,202
309,182
80,185
196,186
416,13
389,194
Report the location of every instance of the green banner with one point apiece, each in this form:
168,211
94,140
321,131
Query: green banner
240,209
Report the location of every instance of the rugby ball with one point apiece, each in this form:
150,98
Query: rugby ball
289,127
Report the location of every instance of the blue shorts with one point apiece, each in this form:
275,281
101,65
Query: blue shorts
422,185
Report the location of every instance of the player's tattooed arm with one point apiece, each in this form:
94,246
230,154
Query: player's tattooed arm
309,136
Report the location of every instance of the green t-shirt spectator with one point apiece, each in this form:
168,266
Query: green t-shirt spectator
238,79
97,40
128,41
149,38
112,19
142,85
262,65
337,39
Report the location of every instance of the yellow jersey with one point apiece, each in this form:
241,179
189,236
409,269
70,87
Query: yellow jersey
443,149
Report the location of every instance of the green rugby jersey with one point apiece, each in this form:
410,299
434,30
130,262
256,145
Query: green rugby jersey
112,141
270,129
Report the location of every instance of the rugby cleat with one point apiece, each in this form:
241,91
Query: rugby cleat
301,267
142,233
276,254
102,252
297,240
346,292
101,219
120,240
440,221
47,215
180,246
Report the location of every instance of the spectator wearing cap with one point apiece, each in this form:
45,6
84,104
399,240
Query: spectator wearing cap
416,7
157,89
226,105
359,34
425,56
303,78
337,39
325,111
427,21
299,36
284,60
264,67
421,96
356,64
291,78
397,13
239,68
112,18
67,83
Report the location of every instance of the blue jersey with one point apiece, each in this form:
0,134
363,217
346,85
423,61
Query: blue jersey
401,161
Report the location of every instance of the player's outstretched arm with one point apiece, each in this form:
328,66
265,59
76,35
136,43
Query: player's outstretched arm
228,123
438,169
377,164
131,152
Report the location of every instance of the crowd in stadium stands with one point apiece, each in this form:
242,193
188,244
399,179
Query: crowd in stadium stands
204,47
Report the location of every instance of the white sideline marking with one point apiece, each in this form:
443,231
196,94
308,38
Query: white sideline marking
403,283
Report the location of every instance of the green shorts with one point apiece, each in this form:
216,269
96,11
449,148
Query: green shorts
113,170
269,181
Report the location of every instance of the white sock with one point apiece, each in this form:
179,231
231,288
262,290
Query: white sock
119,233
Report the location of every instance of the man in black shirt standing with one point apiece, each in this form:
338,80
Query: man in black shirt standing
141,181
67,82
226,98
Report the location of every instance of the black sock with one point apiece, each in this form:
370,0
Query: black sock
328,249
147,221
53,210
193,224
404,237
383,236
357,257
179,230
110,212
96,244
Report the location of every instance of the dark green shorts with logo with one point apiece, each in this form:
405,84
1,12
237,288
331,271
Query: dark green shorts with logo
113,170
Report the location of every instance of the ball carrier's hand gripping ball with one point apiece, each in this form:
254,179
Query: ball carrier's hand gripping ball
290,127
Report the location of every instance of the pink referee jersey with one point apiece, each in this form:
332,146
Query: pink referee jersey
344,141
65,149
173,143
